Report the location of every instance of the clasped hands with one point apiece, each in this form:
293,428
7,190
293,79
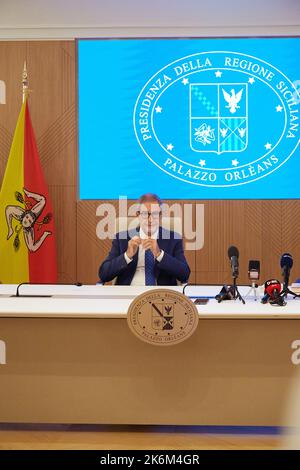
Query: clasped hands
147,244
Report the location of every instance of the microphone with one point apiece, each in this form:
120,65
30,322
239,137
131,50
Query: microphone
254,270
286,263
17,294
233,255
253,276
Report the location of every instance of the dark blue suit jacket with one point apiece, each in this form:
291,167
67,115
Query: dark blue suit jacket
173,266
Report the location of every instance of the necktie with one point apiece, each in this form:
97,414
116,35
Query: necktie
149,268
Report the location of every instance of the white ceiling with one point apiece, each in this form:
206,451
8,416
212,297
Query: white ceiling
71,18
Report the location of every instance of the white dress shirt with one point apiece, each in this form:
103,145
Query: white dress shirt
139,275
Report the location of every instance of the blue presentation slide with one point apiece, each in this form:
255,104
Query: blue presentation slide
189,118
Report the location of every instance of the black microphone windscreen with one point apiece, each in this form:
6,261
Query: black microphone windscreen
286,260
233,251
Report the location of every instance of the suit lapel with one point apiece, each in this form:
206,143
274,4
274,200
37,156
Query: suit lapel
161,240
162,243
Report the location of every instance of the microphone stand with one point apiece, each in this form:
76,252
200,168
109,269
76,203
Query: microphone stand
190,284
236,292
253,288
285,287
285,291
17,294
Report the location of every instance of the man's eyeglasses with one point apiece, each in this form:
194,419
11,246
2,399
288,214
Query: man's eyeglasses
146,215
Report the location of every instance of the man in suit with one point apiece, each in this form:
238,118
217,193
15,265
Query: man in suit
147,255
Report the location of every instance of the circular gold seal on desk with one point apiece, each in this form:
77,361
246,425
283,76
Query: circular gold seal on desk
162,317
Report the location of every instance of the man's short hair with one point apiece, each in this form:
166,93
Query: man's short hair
150,197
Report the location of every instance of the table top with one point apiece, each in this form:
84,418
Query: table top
90,301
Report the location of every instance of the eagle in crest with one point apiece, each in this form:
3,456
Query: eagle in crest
232,99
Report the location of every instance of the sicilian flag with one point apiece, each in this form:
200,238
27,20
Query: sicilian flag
27,236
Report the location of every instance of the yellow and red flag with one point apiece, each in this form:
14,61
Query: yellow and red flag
27,237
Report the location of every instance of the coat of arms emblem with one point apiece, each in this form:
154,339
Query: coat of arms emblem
218,117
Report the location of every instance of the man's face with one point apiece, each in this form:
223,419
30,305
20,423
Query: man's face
149,217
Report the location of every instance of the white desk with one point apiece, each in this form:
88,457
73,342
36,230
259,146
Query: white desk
113,302
72,359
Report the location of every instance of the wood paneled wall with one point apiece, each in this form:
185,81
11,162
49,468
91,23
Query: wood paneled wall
260,229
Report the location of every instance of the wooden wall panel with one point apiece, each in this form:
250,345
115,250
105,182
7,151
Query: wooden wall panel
90,250
11,56
260,229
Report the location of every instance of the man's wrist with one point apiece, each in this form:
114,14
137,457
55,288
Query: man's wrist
160,255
